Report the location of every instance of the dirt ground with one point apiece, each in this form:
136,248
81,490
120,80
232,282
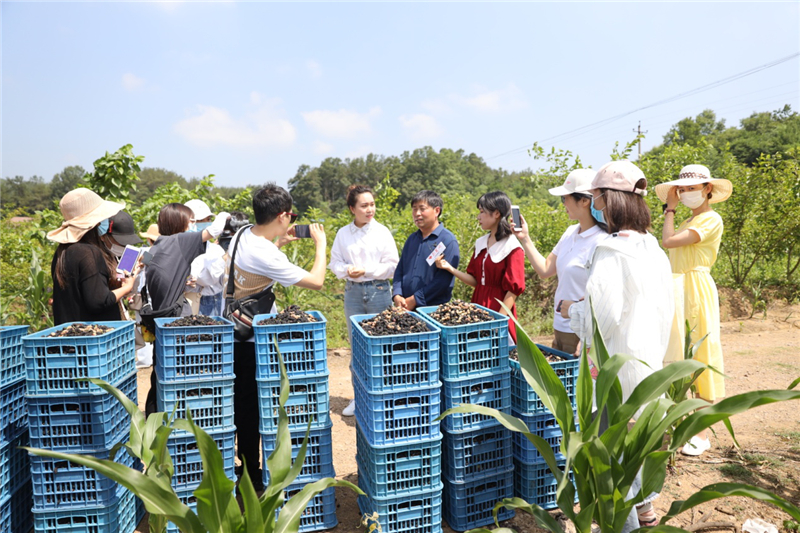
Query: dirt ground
760,353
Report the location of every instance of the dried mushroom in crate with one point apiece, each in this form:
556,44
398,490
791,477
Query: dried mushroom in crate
393,321
81,330
194,320
513,354
459,312
291,315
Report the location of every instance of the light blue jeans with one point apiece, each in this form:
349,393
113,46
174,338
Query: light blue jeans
366,298
211,305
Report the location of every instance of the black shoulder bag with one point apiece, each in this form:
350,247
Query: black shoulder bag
242,311
148,315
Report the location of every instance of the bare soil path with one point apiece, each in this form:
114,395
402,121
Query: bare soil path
760,353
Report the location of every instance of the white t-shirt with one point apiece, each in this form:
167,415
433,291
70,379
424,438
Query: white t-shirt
573,252
209,269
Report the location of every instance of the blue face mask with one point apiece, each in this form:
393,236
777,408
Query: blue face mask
597,213
102,228
202,225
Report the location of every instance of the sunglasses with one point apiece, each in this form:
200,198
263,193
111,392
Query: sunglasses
293,216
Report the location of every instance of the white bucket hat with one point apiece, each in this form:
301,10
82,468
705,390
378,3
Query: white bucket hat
82,210
695,175
577,181
199,208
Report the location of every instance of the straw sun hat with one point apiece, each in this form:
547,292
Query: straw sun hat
151,233
695,175
82,210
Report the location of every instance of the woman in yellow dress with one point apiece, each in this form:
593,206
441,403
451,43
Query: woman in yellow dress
693,251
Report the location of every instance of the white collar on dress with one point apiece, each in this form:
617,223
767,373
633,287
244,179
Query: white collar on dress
365,228
500,249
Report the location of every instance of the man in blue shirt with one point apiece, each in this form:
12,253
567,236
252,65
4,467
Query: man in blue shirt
418,283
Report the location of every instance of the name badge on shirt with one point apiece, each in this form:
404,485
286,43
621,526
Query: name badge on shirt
439,250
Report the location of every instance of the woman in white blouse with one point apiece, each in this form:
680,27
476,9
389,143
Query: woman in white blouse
364,253
568,259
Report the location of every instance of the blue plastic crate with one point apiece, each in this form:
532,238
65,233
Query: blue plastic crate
395,362
77,422
319,454
303,347
12,354
390,471
320,513
469,455
188,463
98,519
535,484
390,418
14,466
53,363
190,500
469,505
525,451
308,399
193,352
60,484
471,349
15,510
210,401
131,512
13,412
523,398
420,512
493,390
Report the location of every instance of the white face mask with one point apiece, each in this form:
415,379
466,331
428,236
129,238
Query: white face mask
117,250
693,199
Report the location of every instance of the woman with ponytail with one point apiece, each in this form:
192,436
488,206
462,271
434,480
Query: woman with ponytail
497,268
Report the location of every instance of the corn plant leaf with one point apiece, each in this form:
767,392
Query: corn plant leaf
541,516
722,490
157,498
137,417
660,528
279,463
214,495
584,391
608,392
794,384
292,511
704,418
156,435
253,520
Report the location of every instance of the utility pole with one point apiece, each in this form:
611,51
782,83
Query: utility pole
638,131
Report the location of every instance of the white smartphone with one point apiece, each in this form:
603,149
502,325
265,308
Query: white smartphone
515,218
128,260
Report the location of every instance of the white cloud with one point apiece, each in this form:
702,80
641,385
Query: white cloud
510,98
314,69
420,126
261,126
322,148
342,124
131,82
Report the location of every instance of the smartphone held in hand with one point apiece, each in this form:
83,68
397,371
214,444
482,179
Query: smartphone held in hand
301,231
128,260
515,218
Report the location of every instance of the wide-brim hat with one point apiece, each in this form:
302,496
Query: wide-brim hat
82,210
578,178
151,233
696,175
121,228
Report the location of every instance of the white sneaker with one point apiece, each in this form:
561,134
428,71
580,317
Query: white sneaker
696,446
350,410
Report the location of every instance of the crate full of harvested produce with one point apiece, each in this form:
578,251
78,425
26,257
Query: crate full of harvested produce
193,347
77,422
469,505
309,399
56,357
120,516
188,463
524,399
489,391
209,400
12,355
318,462
299,336
474,339
395,350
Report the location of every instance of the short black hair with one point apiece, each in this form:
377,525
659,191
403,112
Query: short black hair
430,198
270,202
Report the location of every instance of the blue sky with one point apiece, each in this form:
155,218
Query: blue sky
251,91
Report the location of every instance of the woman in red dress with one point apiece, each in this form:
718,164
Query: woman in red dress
497,268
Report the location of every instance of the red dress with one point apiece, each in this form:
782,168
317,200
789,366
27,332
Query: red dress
502,271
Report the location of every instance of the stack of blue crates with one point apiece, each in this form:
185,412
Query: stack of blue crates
533,480
478,466
398,439
303,347
79,417
15,475
194,367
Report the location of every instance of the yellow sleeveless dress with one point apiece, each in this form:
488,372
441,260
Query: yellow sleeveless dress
701,300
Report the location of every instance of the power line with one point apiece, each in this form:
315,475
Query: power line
679,96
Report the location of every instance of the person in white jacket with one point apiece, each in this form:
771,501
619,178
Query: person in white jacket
365,255
208,269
